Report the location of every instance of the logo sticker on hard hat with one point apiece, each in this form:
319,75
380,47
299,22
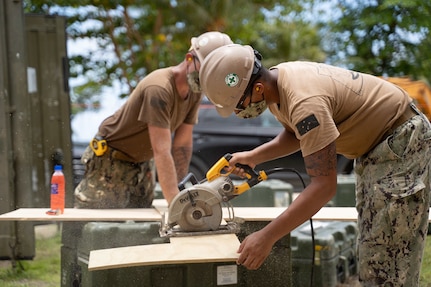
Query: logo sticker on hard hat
203,42
231,80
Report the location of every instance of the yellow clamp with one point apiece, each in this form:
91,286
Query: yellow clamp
99,146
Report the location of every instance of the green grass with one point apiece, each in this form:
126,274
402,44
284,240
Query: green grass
44,269
426,265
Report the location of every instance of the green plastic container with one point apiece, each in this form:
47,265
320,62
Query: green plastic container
335,253
99,235
345,196
269,193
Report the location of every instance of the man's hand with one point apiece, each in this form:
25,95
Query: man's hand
254,250
244,158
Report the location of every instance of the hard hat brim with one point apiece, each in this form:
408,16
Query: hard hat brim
225,112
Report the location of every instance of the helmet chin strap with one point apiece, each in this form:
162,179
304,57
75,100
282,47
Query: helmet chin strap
193,77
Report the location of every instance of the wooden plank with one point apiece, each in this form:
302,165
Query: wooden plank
337,214
161,205
324,214
268,214
75,214
181,250
255,213
154,214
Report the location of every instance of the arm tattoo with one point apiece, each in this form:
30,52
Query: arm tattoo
322,162
182,156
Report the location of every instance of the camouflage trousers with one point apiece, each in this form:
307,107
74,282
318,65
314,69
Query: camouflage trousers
113,183
392,200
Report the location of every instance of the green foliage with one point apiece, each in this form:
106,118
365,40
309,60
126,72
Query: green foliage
135,37
381,37
43,270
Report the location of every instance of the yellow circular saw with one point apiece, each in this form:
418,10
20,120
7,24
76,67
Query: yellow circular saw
198,208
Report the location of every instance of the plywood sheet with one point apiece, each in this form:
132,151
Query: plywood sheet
190,249
161,205
74,214
255,213
337,214
155,214
269,213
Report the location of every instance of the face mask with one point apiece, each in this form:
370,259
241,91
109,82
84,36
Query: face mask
193,81
252,110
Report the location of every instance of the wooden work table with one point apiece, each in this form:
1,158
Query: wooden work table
159,207
155,214
74,214
167,253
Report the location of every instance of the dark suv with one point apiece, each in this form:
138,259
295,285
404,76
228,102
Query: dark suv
215,136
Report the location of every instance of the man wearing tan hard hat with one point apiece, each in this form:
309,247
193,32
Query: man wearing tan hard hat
327,111
153,129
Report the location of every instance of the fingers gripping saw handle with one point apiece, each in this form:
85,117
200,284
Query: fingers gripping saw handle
253,177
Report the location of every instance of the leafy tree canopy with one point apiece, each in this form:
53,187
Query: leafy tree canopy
135,37
381,37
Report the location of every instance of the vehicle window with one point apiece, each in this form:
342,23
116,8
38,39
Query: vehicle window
209,117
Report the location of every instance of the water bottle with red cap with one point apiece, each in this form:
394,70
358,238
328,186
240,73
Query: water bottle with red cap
57,191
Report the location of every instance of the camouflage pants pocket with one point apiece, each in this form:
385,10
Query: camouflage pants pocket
392,236
111,183
392,196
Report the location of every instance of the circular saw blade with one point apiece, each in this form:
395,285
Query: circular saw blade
200,217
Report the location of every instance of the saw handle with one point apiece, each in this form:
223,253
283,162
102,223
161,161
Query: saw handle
189,177
216,170
249,172
253,177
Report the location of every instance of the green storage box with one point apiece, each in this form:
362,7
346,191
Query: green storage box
276,269
70,270
345,196
269,193
335,253
102,235
99,235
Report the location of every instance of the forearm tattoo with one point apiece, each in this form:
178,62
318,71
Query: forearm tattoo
182,156
322,162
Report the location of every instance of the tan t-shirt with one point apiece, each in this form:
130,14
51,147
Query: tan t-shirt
322,104
154,101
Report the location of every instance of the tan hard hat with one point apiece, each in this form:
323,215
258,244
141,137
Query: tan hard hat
207,42
225,74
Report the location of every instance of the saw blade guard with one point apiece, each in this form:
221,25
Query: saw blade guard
198,208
